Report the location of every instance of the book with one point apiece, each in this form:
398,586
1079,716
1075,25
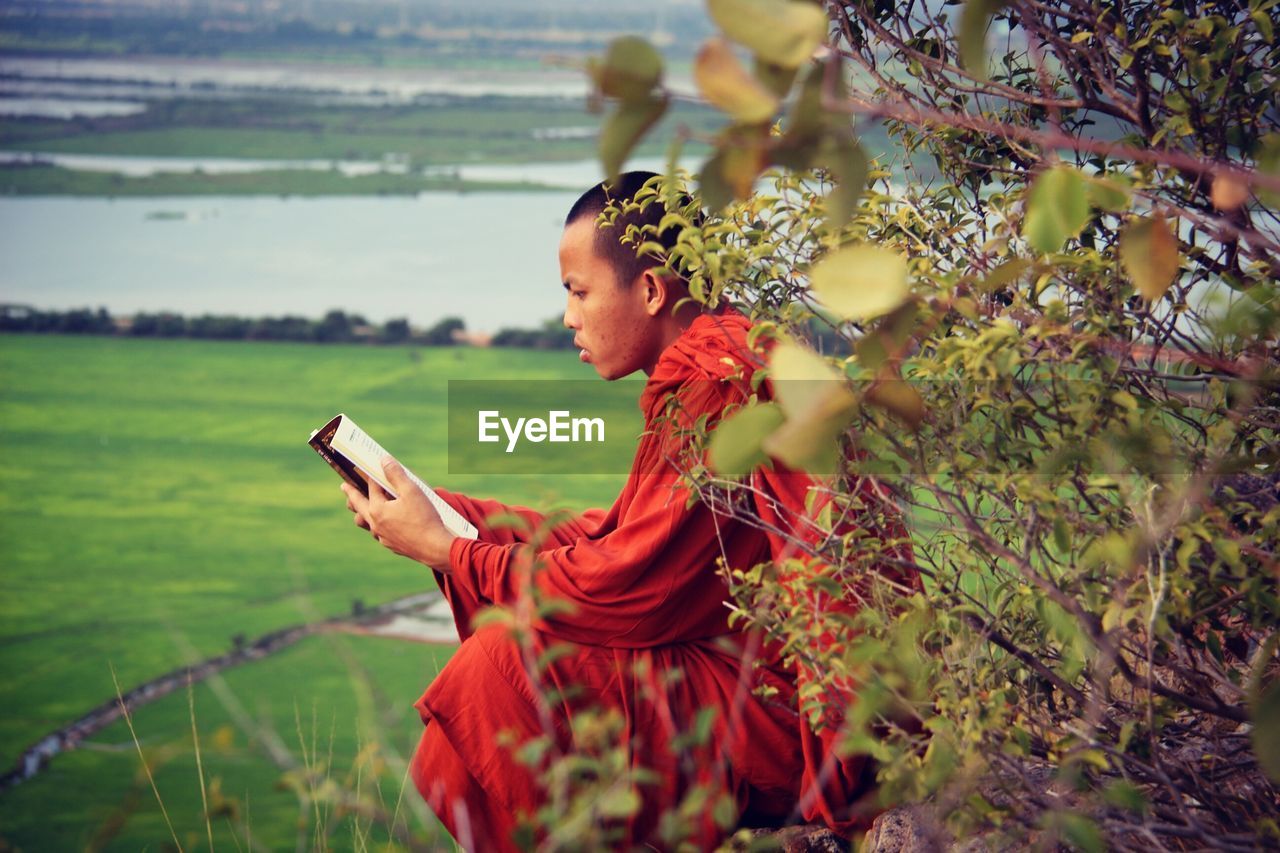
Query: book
357,458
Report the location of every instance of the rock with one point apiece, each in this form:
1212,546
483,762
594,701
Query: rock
908,829
800,839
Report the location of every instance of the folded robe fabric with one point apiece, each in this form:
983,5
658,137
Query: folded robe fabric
641,632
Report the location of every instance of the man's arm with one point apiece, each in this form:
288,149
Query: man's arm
650,578
529,522
411,527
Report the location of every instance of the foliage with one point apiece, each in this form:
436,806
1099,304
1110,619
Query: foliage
550,335
334,327
1060,355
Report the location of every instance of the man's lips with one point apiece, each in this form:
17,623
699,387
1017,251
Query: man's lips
583,354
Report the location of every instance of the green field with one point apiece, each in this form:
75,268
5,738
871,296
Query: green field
55,180
159,501
450,130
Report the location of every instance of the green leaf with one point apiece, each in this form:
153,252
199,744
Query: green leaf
1081,832
806,124
776,78
1150,257
729,87
1266,730
781,32
712,186
860,282
1125,795
1107,194
630,70
972,34
736,443
619,802
1268,160
742,158
1061,535
807,444
1005,274
1057,208
626,126
847,162
1263,19
806,117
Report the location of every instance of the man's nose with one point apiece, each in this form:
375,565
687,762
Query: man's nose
571,317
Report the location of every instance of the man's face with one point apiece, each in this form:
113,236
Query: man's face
613,328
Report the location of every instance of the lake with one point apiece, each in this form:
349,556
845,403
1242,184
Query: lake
489,258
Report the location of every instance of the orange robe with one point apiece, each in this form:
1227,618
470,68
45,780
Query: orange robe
644,633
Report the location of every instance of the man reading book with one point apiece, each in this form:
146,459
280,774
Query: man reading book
643,628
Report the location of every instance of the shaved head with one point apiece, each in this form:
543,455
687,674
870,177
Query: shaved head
622,256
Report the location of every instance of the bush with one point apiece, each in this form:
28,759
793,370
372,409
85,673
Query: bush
1055,316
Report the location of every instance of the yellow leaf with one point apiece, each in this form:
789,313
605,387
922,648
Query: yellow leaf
1150,257
744,160
729,87
630,70
896,396
805,384
807,444
1228,192
782,32
860,282
817,402
736,443
224,738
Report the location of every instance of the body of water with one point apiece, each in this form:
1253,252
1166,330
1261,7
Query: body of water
143,166
167,77
571,174
490,258
160,78
65,108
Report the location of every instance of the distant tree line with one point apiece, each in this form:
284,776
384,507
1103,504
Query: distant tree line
550,335
334,327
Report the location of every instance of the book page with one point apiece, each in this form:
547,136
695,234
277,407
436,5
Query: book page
367,455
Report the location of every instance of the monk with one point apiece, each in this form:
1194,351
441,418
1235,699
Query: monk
639,634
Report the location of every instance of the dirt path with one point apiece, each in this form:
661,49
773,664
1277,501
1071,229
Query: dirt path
420,618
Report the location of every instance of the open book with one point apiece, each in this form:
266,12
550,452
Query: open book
357,458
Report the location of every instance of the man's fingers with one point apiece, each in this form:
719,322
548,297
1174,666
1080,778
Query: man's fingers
356,502
361,521
396,474
377,496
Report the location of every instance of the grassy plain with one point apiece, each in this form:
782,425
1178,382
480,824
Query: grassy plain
55,180
450,130
159,500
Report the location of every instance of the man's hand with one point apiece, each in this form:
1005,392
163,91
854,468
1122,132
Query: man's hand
409,525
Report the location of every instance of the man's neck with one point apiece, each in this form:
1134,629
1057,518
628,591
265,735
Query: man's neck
673,327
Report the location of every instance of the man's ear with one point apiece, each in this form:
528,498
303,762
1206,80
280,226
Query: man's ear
656,291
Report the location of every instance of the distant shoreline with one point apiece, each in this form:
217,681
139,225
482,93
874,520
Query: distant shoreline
48,180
